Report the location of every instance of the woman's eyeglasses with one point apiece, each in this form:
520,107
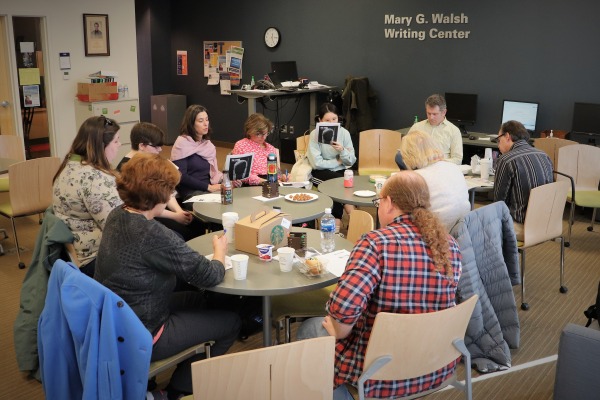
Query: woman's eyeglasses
263,134
376,201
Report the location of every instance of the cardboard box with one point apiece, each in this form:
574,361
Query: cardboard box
97,91
263,226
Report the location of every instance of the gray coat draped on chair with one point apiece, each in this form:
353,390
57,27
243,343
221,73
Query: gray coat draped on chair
490,268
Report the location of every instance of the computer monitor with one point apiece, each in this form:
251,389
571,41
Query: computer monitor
523,111
462,109
586,118
286,70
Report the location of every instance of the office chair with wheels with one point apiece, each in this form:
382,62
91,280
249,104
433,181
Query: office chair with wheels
405,346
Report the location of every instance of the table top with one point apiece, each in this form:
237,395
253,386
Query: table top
335,189
5,163
253,94
244,205
265,278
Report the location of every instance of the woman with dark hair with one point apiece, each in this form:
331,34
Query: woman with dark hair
331,160
196,155
84,190
141,261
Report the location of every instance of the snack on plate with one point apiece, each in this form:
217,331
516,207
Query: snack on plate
301,197
315,267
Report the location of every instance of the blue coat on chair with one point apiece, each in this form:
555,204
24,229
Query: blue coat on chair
91,344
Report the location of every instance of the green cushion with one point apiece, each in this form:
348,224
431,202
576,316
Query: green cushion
587,198
4,184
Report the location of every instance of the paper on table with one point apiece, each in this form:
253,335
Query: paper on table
227,261
206,198
265,199
336,261
295,184
477,182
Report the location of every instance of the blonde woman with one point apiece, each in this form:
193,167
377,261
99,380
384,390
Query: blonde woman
446,183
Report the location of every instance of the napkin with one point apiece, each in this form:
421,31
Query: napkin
206,198
228,264
265,199
335,261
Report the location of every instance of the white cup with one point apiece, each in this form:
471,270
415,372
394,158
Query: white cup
286,258
488,153
239,263
229,219
484,165
379,185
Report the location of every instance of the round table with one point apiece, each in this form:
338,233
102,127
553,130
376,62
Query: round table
244,204
265,278
335,189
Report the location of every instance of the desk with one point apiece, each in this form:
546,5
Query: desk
265,278
244,205
5,163
252,95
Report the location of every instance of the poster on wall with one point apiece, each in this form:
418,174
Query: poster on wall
182,65
216,57
31,96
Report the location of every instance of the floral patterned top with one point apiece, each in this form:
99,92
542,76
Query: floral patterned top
82,197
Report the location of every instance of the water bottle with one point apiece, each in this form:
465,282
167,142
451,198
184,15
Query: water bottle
252,82
551,133
120,91
271,168
125,91
327,231
416,119
226,189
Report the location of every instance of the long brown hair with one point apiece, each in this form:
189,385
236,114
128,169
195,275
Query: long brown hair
189,119
409,192
92,138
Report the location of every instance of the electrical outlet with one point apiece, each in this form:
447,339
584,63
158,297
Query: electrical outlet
283,129
291,129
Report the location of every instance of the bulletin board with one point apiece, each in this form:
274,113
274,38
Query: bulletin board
215,55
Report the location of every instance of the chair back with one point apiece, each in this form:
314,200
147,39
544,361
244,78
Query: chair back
298,370
581,162
550,146
31,185
360,222
377,151
302,143
417,343
11,147
544,218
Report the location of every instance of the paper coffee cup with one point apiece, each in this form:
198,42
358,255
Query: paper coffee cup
379,185
488,153
239,263
286,258
484,165
229,219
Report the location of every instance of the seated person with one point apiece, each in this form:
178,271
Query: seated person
520,168
449,195
380,277
445,133
256,128
149,138
196,155
331,160
141,261
84,191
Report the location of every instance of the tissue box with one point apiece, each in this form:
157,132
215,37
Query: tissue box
263,226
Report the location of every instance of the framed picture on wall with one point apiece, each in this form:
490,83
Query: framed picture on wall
95,32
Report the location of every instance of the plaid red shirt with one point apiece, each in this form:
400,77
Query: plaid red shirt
389,270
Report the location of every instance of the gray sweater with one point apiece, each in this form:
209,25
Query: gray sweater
141,260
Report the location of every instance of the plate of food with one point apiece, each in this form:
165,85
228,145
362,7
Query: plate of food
312,267
365,193
301,197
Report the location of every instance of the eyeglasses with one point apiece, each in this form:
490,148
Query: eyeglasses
107,121
376,201
264,134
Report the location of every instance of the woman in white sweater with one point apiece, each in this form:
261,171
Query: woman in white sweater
447,185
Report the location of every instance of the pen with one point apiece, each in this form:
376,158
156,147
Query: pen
224,232
286,176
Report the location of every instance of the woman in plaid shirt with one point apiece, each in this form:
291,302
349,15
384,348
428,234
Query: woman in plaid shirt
411,265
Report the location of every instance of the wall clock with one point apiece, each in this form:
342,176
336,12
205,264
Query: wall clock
272,37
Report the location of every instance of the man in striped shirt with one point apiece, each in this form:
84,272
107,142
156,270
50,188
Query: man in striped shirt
520,168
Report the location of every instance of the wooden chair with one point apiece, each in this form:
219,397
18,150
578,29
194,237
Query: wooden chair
10,147
301,306
30,191
293,371
404,346
550,146
543,222
579,165
159,366
302,143
377,151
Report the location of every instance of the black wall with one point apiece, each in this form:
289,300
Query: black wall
543,51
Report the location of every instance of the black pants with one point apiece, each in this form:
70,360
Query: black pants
325,175
191,323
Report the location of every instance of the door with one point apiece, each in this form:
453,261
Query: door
8,105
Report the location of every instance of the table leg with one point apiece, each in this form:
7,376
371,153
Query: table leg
251,106
313,110
472,199
267,321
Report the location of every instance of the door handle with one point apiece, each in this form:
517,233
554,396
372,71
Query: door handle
4,104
